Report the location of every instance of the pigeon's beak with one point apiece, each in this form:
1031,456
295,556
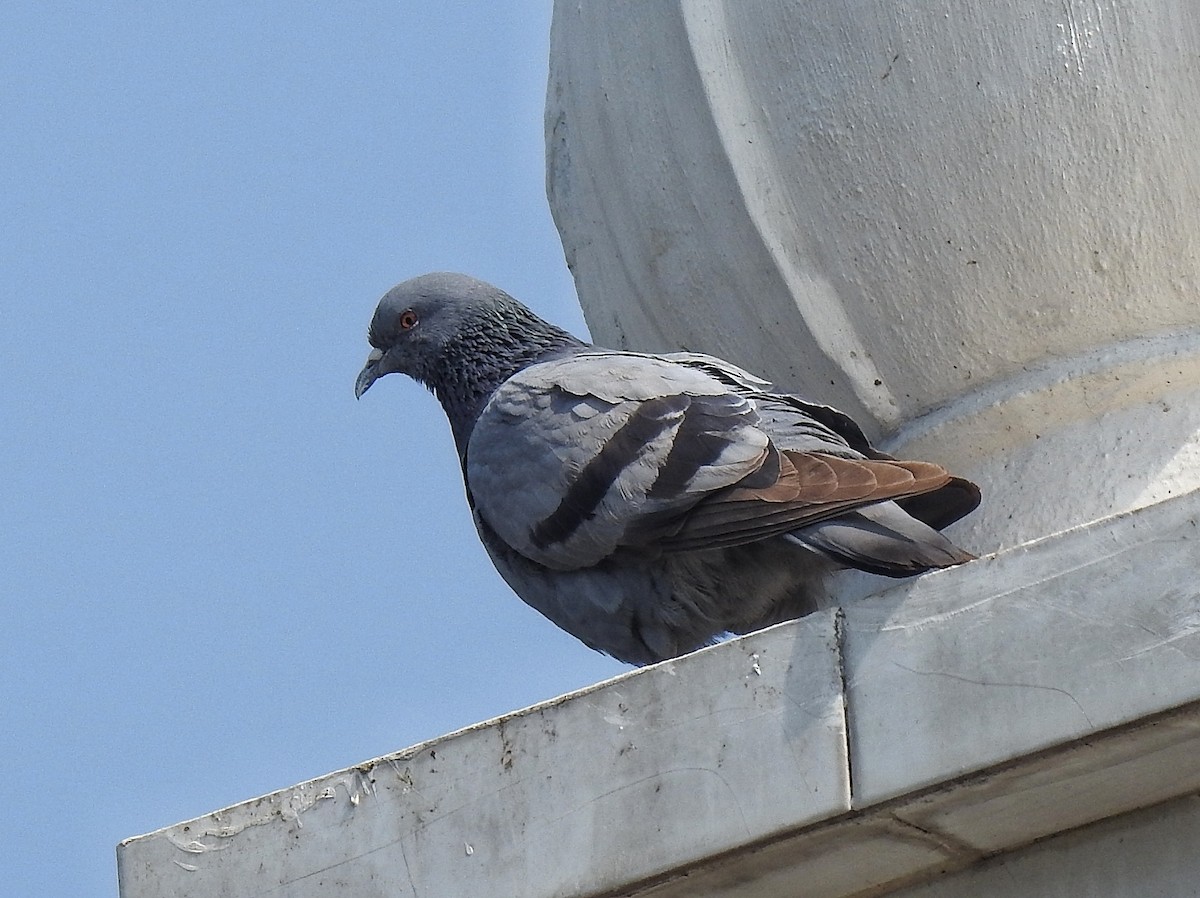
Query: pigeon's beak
369,373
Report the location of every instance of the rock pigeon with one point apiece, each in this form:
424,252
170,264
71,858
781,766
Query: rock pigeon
651,504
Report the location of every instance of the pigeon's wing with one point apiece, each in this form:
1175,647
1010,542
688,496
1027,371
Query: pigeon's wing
794,423
576,457
727,373
808,488
799,425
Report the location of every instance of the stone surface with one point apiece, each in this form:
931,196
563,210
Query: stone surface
1144,765
1087,630
1151,854
972,228
882,848
840,859
617,783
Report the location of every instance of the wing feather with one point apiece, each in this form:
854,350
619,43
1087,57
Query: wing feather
812,487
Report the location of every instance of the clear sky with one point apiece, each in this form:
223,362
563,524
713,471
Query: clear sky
221,575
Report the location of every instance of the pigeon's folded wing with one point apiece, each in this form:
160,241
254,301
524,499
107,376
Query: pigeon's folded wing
573,458
808,488
576,458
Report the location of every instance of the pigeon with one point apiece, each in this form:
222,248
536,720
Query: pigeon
653,504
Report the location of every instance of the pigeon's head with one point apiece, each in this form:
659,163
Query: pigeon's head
457,335
418,321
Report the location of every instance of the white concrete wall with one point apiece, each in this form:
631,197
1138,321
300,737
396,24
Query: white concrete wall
975,227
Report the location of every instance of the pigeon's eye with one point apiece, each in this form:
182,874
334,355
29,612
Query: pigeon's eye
408,320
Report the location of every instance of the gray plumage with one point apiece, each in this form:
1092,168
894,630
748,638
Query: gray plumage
648,504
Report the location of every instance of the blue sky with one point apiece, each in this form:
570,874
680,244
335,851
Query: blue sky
221,575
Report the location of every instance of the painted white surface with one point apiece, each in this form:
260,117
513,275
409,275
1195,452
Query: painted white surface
1075,633
623,781
1151,854
988,212
1093,779
876,853
909,734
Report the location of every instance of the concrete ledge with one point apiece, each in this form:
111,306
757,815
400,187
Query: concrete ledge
1148,854
882,848
1071,634
988,706
624,781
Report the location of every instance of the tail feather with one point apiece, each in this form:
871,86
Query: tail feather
881,539
943,506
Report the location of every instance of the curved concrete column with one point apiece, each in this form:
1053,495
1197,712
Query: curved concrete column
977,230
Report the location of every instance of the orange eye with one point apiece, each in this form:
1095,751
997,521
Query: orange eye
408,320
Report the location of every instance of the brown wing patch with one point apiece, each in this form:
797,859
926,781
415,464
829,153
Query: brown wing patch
810,487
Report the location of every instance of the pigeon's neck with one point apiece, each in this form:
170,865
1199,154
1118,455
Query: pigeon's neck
472,370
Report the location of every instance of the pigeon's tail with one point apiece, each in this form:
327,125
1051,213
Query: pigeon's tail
943,506
881,539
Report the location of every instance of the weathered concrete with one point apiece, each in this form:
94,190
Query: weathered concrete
959,824
580,795
1072,634
988,706
972,227
1151,854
